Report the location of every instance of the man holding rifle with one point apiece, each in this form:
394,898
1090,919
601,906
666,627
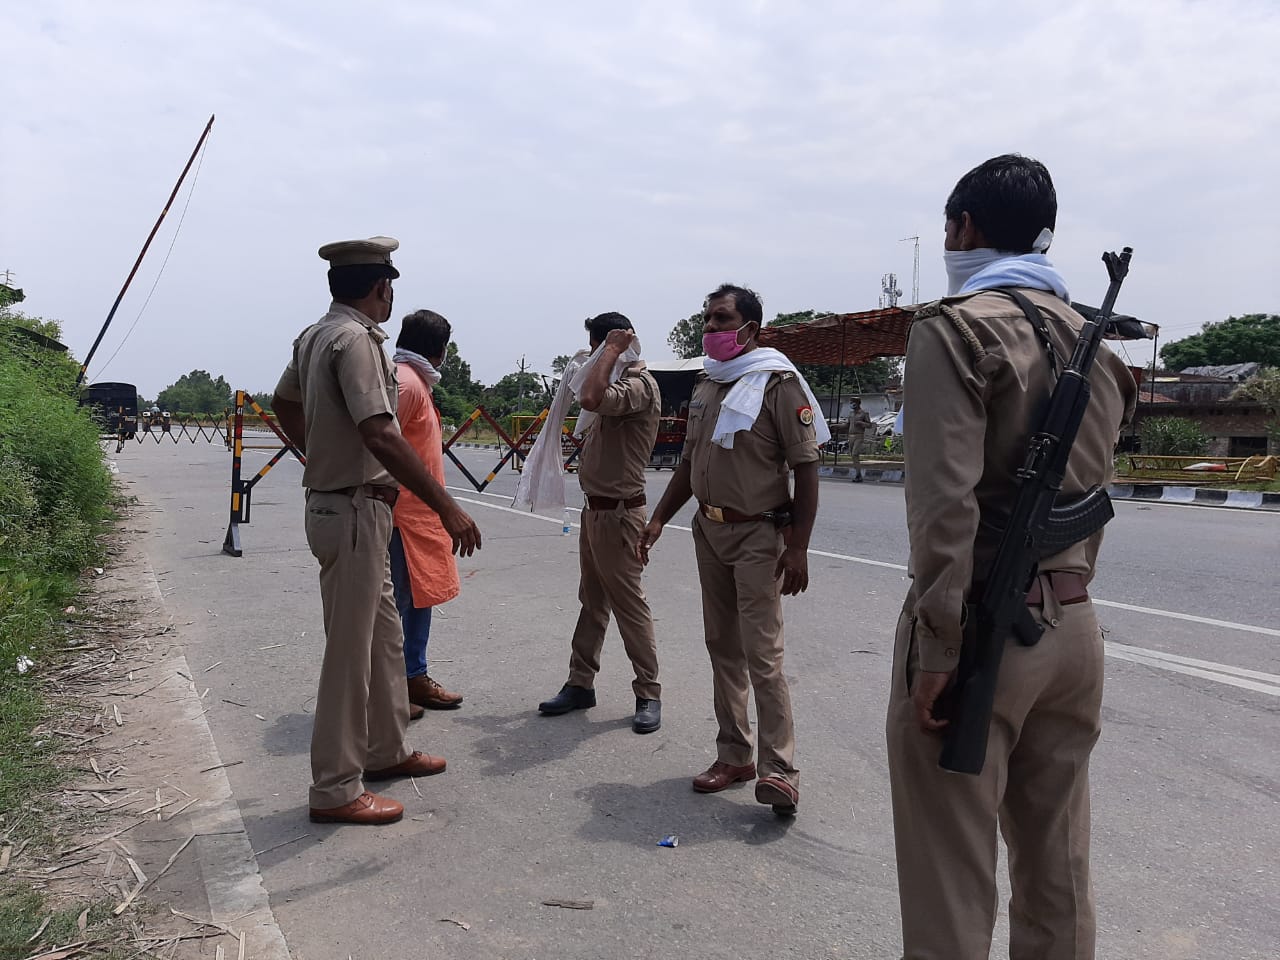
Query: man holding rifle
984,367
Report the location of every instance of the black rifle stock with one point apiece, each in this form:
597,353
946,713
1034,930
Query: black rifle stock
1036,528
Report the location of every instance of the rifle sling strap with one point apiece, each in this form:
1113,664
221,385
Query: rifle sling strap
1036,318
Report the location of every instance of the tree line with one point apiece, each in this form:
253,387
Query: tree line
1252,337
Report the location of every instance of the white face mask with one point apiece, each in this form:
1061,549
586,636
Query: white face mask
963,264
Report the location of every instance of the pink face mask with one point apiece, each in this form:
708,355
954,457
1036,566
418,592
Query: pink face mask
723,346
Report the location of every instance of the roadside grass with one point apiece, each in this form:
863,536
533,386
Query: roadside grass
23,910
54,502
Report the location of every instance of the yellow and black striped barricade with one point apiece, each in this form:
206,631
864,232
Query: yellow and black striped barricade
241,489
513,446
570,446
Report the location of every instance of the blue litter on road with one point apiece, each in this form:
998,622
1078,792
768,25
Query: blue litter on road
671,841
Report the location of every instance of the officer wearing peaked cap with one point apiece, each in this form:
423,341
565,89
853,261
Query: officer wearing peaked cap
337,401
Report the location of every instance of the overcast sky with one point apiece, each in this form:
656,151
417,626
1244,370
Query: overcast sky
543,162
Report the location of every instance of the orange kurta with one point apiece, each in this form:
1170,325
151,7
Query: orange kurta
428,548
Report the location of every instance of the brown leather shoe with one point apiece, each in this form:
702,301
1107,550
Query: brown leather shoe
417,764
425,692
368,809
779,794
720,775
415,712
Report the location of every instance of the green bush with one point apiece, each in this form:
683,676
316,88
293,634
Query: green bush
54,495
1173,437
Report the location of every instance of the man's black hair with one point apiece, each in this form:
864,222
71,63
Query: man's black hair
746,302
599,327
356,281
424,332
1010,198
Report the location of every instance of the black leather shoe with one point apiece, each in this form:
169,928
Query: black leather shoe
648,716
569,698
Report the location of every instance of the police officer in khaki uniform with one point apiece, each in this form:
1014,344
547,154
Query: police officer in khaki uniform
859,423
337,402
978,374
615,453
751,540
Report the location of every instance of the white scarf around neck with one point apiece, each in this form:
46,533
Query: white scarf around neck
749,373
419,363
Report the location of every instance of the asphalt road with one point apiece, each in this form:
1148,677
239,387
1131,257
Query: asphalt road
1186,779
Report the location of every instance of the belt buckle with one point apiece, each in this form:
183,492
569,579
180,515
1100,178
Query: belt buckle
713,513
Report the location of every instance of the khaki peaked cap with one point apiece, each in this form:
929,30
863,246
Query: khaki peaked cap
350,253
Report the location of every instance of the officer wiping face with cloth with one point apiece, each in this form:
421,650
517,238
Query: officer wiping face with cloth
619,423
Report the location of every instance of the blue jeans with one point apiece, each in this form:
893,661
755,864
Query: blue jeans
416,621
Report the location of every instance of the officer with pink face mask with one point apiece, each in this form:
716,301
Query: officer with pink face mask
753,423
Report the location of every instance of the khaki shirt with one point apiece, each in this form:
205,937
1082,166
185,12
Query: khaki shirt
755,475
966,425
620,442
859,423
342,377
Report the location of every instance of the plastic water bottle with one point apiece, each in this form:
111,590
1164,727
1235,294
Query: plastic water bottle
564,525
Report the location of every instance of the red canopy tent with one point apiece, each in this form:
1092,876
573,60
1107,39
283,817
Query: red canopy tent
843,340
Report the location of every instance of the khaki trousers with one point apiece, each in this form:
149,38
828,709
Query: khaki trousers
611,584
742,620
362,705
1034,785
855,450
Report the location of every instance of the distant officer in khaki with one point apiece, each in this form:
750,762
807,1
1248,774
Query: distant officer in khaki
978,375
337,402
751,425
859,424
616,451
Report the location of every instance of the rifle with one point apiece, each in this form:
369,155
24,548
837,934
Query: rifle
1038,527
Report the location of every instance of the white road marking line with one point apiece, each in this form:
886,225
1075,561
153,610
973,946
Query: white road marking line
1269,678
1208,621
1205,669
1214,675
1131,607
518,513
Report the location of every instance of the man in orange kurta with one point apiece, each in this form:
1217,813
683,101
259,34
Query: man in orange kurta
422,565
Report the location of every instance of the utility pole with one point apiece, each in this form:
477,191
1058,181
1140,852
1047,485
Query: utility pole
520,402
915,273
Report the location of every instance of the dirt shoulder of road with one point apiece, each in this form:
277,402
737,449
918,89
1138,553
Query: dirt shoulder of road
141,851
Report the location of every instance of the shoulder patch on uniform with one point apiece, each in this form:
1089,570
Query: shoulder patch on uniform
786,375
806,415
966,332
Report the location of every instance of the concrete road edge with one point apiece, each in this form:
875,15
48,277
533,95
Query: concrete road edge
232,881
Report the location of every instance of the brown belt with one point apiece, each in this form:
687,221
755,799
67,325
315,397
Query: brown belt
374,491
1067,587
612,503
725,515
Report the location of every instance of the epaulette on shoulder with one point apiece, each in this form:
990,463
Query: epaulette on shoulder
940,309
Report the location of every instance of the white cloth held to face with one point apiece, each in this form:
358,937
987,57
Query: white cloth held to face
749,373
628,356
541,483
